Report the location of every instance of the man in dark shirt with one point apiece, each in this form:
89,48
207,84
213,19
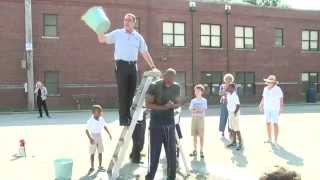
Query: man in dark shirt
162,98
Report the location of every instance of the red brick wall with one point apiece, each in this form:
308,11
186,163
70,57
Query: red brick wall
80,59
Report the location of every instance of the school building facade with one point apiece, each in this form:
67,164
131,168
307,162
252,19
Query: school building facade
201,43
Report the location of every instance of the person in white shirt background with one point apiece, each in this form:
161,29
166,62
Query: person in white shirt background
272,105
233,105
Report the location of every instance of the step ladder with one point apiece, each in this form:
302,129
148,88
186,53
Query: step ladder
127,131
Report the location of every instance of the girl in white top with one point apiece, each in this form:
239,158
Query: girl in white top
271,105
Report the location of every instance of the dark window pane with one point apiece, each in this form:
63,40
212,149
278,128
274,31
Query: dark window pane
50,20
50,31
52,82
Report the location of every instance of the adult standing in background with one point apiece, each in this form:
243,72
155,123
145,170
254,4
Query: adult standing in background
42,94
127,45
227,79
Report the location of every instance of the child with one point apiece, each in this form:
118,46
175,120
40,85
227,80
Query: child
95,126
233,105
198,107
272,104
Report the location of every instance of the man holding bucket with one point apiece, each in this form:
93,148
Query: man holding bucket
128,43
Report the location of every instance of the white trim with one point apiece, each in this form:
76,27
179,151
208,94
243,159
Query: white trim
281,83
50,37
78,85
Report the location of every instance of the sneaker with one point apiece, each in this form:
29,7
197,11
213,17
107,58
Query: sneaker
201,155
239,147
231,145
193,154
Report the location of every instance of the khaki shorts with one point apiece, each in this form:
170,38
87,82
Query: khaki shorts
234,121
98,144
197,126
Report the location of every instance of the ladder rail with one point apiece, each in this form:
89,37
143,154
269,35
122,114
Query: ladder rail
135,110
127,137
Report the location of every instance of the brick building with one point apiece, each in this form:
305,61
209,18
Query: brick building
201,45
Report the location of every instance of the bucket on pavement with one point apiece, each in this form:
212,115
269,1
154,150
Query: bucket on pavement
97,20
63,169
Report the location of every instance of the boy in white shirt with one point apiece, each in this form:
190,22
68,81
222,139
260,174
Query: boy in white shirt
233,106
198,107
95,126
271,105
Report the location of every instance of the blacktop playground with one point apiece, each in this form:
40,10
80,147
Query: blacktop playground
63,136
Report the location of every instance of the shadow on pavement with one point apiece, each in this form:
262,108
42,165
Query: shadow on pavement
128,171
89,176
239,158
291,158
199,168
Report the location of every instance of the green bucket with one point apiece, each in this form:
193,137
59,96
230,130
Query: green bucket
63,169
97,20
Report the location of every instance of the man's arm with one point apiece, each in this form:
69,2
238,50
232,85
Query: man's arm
101,38
151,105
147,57
108,38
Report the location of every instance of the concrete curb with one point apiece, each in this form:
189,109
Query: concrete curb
115,109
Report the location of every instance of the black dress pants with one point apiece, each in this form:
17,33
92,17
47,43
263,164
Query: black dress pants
138,140
41,104
126,74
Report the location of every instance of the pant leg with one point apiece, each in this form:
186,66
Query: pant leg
39,106
138,141
132,85
122,82
44,104
223,117
155,151
170,149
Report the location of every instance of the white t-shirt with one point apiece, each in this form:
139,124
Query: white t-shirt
95,126
232,101
199,103
271,98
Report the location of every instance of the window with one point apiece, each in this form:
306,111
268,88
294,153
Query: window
310,40
212,81
246,83
173,34
311,80
50,25
210,35
244,37
52,82
278,37
137,24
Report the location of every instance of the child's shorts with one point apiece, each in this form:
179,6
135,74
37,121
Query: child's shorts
234,121
197,126
98,144
272,116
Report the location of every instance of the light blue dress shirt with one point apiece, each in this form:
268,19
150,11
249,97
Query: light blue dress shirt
127,45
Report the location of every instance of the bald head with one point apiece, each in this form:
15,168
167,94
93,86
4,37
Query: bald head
169,76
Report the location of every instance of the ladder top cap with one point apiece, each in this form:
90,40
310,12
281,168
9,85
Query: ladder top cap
152,73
